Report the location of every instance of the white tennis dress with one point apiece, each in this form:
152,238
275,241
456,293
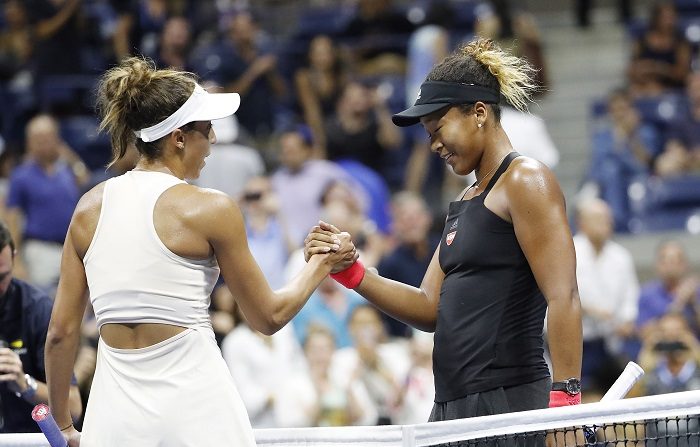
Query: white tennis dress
177,393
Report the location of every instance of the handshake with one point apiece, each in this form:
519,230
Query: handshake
326,240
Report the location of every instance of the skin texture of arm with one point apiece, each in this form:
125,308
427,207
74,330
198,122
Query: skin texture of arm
266,310
415,306
536,208
63,338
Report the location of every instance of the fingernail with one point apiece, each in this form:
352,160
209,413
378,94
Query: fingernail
326,249
336,241
336,246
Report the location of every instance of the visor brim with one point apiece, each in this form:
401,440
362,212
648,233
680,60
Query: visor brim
413,114
216,106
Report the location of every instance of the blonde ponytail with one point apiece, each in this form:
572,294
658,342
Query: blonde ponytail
514,74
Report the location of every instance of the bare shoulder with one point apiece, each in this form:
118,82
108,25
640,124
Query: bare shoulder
85,218
204,208
91,201
529,178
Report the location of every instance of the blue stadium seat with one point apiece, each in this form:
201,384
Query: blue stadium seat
315,21
80,133
73,91
664,204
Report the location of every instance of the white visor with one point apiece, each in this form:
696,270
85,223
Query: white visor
200,106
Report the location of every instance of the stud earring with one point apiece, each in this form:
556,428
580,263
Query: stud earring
479,125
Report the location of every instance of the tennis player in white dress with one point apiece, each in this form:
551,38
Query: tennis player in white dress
147,248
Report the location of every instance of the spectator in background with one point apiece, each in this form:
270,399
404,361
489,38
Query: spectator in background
529,135
519,35
427,46
301,181
681,154
249,67
44,191
376,36
671,359
372,366
16,39
24,320
341,205
622,150
408,261
661,56
231,164
609,293
361,128
255,361
330,307
418,390
318,86
670,356
59,36
139,22
675,290
312,397
174,44
267,234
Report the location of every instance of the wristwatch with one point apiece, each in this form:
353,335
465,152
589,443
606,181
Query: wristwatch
571,386
32,386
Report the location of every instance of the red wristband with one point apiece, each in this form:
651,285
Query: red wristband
352,276
563,399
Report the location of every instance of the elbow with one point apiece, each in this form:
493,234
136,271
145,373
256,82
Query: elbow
268,325
58,334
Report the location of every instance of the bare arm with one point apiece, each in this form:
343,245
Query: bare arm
415,306
536,206
310,105
266,310
63,338
120,39
47,28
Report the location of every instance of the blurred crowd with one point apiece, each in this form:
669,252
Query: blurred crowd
313,140
645,151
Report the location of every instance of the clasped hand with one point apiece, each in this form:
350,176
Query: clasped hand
325,238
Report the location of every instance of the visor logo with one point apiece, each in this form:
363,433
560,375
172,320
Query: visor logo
419,93
450,237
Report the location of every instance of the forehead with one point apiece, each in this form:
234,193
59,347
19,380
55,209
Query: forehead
433,120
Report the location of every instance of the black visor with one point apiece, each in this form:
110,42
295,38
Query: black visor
435,95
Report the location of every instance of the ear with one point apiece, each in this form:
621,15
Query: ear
481,113
177,137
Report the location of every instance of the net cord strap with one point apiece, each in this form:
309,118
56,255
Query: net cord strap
422,435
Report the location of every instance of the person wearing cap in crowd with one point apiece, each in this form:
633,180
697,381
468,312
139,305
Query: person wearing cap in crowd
24,320
149,248
506,255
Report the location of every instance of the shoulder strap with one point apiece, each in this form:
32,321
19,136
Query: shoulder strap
501,169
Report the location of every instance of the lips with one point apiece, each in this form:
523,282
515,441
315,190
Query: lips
447,156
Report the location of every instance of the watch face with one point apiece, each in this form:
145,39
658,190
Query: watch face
573,386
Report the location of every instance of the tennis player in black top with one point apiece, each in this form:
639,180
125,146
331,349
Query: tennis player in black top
506,254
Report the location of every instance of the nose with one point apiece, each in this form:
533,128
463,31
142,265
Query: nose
435,146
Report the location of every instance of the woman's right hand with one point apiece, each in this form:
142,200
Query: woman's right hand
72,436
327,239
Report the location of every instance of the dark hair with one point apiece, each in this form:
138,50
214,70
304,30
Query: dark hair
135,95
6,238
482,62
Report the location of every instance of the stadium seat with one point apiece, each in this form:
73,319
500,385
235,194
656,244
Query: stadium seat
80,133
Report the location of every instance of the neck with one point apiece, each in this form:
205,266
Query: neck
159,166
496,149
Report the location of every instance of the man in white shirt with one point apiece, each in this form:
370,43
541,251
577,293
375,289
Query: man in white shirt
609,292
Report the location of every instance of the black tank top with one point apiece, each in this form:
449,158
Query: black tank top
491,313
